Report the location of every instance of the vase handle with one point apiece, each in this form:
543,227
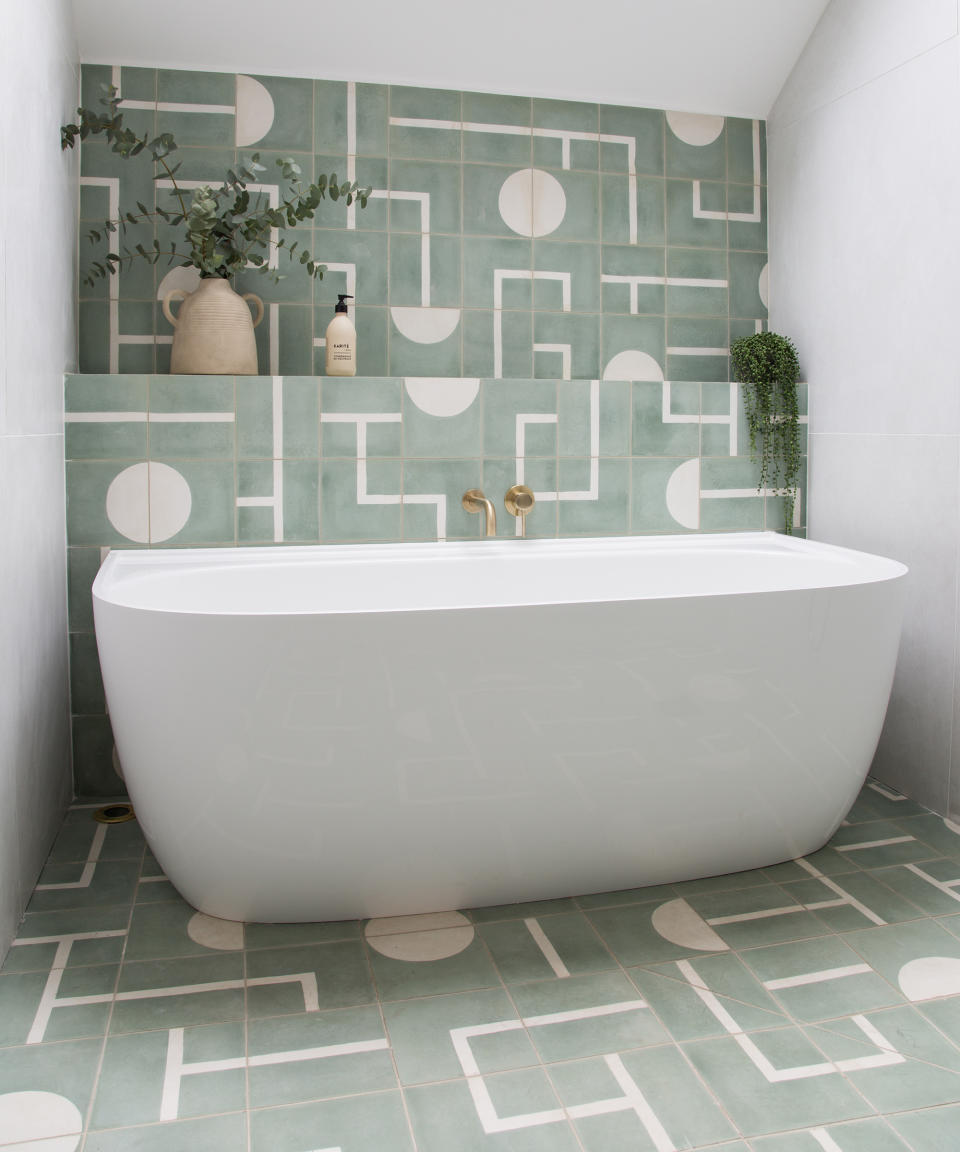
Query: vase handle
259,303
173,294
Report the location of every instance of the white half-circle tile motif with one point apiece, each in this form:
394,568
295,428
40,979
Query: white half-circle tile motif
929,977
431,936
677,922
255,111
426,325
212,932
532,202
39,1121
441,395
695,128
148,502
633,365
186,278
763,285
683,493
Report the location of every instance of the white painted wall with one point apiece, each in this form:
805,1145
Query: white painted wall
38,92
864,168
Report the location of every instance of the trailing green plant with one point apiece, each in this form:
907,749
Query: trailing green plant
227,230
767,365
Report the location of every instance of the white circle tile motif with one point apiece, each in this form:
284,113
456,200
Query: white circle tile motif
255,111
695,128
39,1121
532,202
442,396
929,977
763,285
212,932
431,936
683,493
633,365
425,325
148,503
677,922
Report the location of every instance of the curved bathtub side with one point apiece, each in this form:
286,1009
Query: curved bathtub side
329,767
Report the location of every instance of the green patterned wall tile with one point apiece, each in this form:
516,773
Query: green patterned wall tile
441,416
622,200
373,337
697,348
650,435
356,266
740,511
277,114
425,141
295,337
255,525
566,344
192,417
748,284
87,484
372,119
576,417
633,348
500,474
301,416
83,564
407,287
413,358
94,79
744,164
188,87
254,416
211,517
599,501
623,270
481,108
650,477
573,272
86,686
301,501
93,758
105,438
254,478
497,273
644,126
696,146
696,214
746,231
697,282
555,144
439,211
447,480
140,358
331,116
343,484
489,190
503,401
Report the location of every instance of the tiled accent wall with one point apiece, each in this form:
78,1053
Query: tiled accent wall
505,237
214,460
546,292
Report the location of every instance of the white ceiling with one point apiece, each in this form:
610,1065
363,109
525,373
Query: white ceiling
721,56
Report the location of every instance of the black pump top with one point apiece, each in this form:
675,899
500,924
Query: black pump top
341,307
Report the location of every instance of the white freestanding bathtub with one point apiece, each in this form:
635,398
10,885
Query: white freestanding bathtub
319,733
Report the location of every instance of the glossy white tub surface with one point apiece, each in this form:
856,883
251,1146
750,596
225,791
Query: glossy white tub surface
327,732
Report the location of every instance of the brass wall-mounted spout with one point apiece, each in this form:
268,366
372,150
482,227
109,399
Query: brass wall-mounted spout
519,500
473,500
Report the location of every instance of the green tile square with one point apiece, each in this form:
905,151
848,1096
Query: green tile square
920,884
420,1029
366,252
372,173
93,334
606,514
113,882
444,1116
162,930
650,435
407,275
483,114
862,843
647,194
557,124
574,429
202,1006
207,1134
630,334
745,231
878,801
645,126
86,683
866,890
629,931
857,1136
301,417
468,969
302,1071
371,1122
372,119
575,199
630,260
68,1069
483,259
519,957
503,401
698,282
773,927
211,519
413,358
447,480
426,142
707,161
742,165
748,280
757,1106
652,892
330,116
483,194
212,437
566,344
355,397
107,439
92,747
931,1130
291,129
341,970
579,263
729,513
492,913
683,199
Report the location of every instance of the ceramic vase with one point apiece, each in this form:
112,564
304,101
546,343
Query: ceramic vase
213,330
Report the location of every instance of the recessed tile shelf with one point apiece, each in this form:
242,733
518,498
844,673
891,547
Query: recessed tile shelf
809,1015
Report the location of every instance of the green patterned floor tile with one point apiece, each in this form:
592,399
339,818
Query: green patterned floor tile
404,979
820,979
70,921
933,1130
878,801
534,949
420,1035
827,861
340,969
945,1015
173,928
210,1134
40,957
679,1110
671,990
133,1078
494,912
756,916
113,882
586,1016
631,932
867,901
76,836
731,882
920,958
206,990
932,886
759,1105
856,1136
156,890
522,1111
655,893
881,843
291,935
62,1076
937,831
308,1057
372,1122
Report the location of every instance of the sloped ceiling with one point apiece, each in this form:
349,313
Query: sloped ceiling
722,56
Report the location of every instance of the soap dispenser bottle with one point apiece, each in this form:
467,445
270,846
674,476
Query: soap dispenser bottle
341,341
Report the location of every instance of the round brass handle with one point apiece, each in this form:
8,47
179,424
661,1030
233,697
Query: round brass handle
519,500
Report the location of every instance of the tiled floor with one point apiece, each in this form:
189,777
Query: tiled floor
809,1007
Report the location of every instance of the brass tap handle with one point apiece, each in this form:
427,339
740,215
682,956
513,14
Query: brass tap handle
473,500
519,500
